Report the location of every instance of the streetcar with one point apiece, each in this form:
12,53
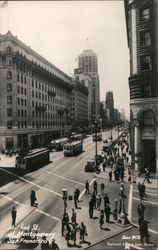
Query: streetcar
97,137
58,144
76,137
72,148
33,159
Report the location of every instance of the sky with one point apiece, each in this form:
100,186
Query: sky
60,31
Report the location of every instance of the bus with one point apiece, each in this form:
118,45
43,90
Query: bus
33,159
72,148
97,137
58,144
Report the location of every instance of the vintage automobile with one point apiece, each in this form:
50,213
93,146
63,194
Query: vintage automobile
90,166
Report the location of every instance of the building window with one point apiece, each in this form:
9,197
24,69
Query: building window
9,112
18,112
25,91
148,118
146,63
21,78
145,38
18,89
9,62
21,102
8,50
9,124
18,77
146,91
9,75
144,14
9,99
9,87
21,90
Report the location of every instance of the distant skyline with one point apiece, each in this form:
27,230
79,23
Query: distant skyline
60,31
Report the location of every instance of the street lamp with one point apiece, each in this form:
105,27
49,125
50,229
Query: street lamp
65,196
122,219
96,128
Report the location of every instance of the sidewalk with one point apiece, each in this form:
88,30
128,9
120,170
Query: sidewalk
95,234
153,181
7,161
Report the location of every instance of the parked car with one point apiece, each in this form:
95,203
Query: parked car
90,166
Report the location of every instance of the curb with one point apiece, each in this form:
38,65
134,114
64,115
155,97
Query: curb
110,236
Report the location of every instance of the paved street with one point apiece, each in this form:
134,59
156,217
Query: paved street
66,172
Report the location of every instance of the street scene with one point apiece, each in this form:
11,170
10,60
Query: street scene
79,155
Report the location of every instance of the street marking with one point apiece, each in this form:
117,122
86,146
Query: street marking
154,194
62,177
130,202
36,209
30,182
151,202
84,190
5,196
52,217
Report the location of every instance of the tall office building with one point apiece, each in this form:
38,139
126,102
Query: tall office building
109,103
142,34
35,96
88,64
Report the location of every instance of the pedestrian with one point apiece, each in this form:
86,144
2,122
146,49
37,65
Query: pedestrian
13,214
101,219
104,165
54,245
95,184
73,217
143,229
94,200
75,199
33,197
98,201
143,190
91,207
87,187
140,189
68,233
147,176
77,193
83,232
64,221
141,209
122,175
73,233
106,200
44,243
110,175
107,212
102,186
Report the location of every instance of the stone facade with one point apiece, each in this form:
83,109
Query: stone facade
35,96
142,34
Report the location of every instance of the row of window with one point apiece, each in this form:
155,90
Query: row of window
23,124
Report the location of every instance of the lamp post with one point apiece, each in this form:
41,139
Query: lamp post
122,219
96,128
65,196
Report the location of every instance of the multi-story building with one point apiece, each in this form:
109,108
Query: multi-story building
88,64
79,104
104,115
87,81
109,103
35,96
117,117
142,34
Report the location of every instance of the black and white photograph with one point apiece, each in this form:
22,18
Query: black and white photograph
79,125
